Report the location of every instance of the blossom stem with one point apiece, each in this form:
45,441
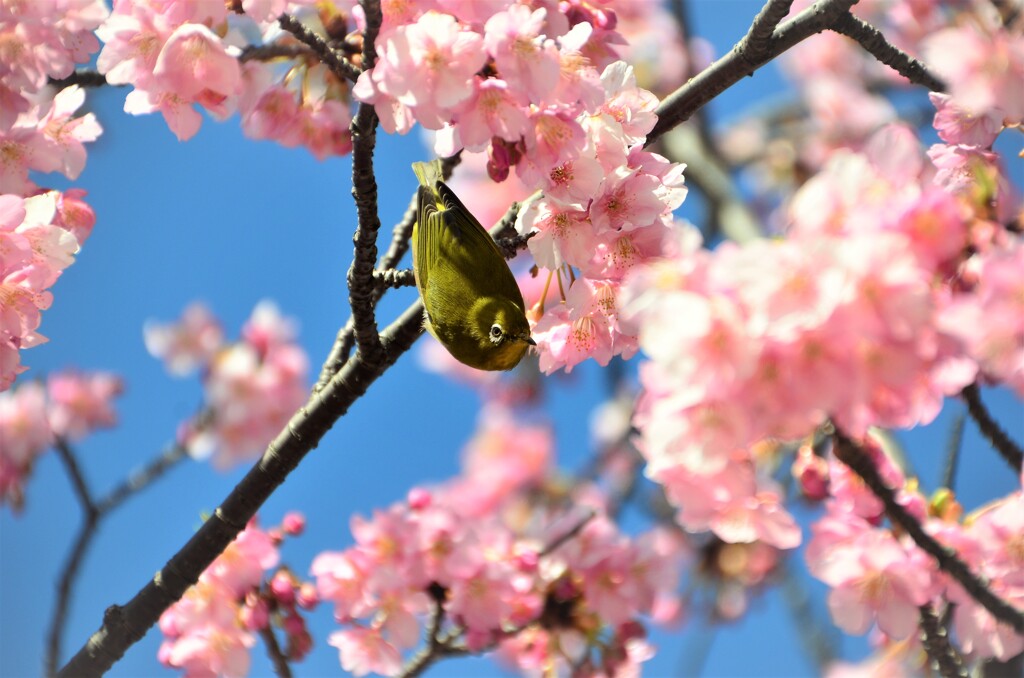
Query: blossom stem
277,657
853,456
1001,441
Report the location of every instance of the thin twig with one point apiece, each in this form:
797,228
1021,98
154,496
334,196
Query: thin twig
67,456
942,656
741,61
140,479
65,585
281,666
872,40
334,59
558,541
853,456
990,428
953,447
395,278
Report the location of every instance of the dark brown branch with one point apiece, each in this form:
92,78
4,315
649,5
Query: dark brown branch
275,50
741,61
281,666
361,287
395,278
942,656
990,428
83,78
759,37
853,456
140,479
125,625
334,59
511,245
872,40
345,339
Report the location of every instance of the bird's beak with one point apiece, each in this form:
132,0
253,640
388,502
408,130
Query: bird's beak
530,341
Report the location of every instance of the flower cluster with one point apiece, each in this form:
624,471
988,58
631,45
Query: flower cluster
180,55
845,319
252,386
39,237
210,631
70,406
878,576
604,210
42,40
544,586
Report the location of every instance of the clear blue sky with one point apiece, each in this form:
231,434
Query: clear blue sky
230,221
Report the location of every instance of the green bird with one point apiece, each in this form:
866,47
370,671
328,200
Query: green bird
473,304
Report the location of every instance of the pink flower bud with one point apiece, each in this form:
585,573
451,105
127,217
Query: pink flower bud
294,625
283,588
293,524
307,597
419,498
255,614
811,471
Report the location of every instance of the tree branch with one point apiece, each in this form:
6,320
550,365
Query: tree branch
853,456
364,189
942,656
82,78
745,58
125,625
872,40
334,59
990,428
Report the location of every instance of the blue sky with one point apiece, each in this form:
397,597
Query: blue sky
230,221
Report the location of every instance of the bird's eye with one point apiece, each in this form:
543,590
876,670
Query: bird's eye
496,332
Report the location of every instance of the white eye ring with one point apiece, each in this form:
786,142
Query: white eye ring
496,332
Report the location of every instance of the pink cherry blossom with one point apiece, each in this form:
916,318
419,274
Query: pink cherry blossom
429,66
210,630
81,403
527,61
877,579
989,319
494,111
25,433
252,388
957,125
187,345
365,651
983,65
